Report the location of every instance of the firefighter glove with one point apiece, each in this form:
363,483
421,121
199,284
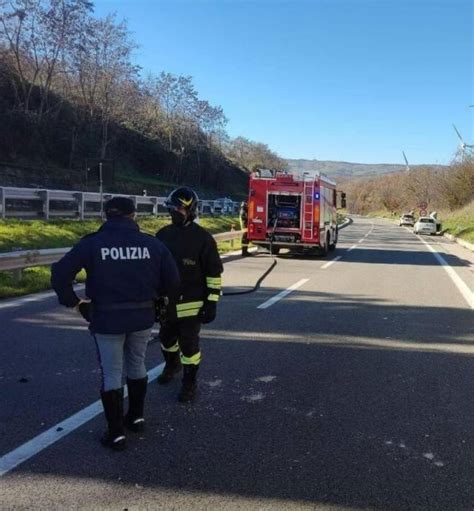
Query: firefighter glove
208,312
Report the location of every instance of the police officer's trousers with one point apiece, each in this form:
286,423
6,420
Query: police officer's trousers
115,349
183,336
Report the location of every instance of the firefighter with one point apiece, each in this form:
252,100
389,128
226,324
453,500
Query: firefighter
200,267
243,217
126,272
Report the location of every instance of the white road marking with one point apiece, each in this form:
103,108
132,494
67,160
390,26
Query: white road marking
361,240
282,294
265,379
16,302
36,297
460,284
215,383
29,449
329,263
352,248
258,396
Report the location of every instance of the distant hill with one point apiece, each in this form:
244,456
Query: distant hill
346,169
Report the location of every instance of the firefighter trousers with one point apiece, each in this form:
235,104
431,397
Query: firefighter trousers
183,336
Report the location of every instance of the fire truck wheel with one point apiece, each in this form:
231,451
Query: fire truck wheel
325,248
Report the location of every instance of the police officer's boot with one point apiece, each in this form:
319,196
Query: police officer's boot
134,420
113,408
173,366
188,390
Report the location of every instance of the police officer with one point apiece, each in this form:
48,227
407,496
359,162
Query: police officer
243,217
200,268
126,272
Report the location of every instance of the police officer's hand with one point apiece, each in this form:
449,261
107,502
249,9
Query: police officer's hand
84,308
208,312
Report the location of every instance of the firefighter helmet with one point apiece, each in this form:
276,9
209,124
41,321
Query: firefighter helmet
183,197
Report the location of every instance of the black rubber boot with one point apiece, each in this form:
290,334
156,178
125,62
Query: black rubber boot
172,367
188,390
113,408
134,420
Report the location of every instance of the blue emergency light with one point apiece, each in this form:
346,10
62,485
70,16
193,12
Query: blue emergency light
316,196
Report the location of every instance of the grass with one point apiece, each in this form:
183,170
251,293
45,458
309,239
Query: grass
37,234
32,280
459,223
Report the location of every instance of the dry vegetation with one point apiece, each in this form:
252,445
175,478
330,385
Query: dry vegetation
449,191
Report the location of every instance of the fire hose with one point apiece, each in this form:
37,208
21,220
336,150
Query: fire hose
264,275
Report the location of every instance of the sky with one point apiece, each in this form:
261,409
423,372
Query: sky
341,80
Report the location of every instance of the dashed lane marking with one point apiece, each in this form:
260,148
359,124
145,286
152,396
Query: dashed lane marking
282,294
329,263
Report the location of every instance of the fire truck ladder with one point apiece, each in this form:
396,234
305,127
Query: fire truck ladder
308,207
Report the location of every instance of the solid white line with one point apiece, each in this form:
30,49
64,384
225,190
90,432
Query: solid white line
460,284
16,302
35,297
282,294
328,264
29,449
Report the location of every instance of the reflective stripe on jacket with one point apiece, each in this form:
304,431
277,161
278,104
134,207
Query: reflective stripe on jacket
200,267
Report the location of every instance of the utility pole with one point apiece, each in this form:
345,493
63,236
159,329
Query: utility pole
101,190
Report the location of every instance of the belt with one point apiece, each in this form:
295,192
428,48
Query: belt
123,305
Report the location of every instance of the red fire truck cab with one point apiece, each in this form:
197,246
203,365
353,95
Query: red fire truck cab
292,211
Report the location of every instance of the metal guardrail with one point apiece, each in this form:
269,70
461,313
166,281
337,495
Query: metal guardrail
27,258
78,202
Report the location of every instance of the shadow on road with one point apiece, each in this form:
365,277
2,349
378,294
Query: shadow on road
318,410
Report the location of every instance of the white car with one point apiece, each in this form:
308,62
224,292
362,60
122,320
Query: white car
407,219
425,225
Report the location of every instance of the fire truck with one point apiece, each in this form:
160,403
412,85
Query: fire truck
292,211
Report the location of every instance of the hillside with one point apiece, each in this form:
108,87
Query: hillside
347,169
55,150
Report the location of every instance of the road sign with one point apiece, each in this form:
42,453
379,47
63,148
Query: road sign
423,212
423,205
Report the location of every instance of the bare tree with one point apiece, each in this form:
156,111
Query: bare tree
249,154
102,64
18,33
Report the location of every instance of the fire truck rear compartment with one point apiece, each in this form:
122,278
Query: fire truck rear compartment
286,209
284,217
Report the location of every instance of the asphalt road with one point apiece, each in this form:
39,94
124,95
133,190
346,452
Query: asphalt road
352,392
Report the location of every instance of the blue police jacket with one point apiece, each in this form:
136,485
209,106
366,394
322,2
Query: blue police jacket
126,270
